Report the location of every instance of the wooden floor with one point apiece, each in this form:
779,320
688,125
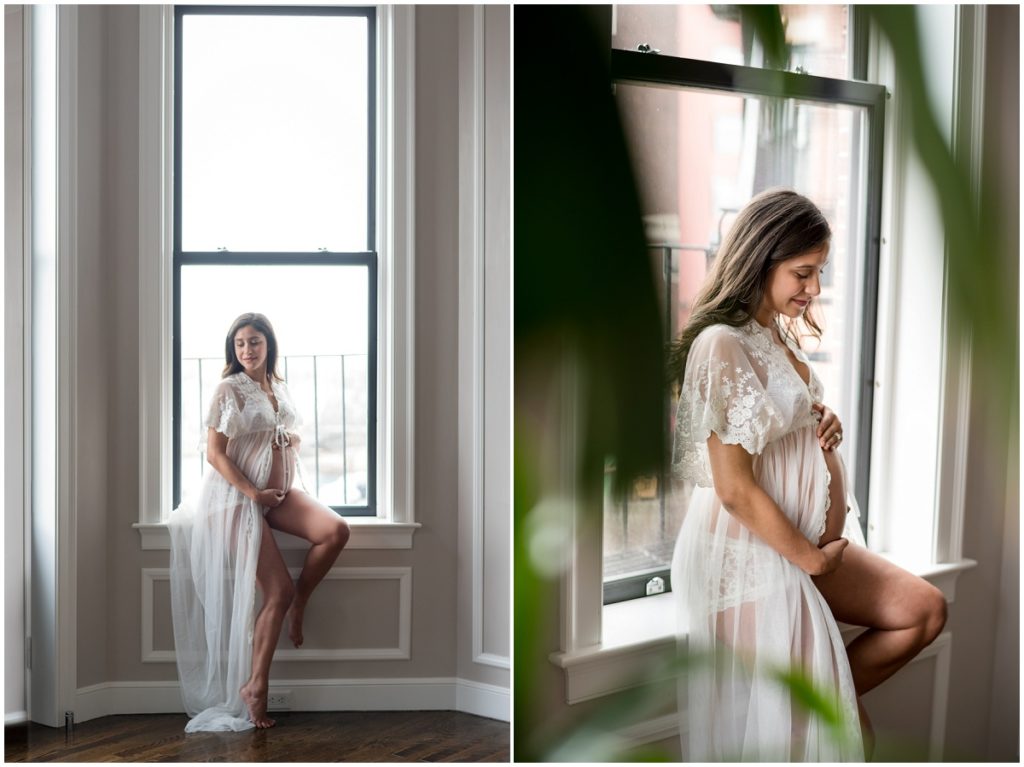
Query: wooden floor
345,736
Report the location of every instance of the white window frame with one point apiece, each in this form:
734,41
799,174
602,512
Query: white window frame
608,648
394,525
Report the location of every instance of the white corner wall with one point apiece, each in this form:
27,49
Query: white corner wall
15,703
484,345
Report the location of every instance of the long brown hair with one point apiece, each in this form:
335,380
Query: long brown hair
778,224
260,323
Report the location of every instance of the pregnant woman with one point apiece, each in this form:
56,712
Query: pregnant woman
222,547
762,569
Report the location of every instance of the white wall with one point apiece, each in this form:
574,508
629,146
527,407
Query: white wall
93,323
984,702
13,349
484,331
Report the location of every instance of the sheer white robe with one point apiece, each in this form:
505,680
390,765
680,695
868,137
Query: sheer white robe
749,612
215,544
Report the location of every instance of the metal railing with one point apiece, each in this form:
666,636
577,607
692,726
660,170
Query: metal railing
347,382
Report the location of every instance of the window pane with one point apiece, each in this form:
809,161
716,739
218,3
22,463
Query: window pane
818,34
319,315
699,156
274,153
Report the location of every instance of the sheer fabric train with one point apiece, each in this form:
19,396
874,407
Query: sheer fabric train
748,614
215,544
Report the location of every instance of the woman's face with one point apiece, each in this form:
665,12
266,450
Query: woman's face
793,283
251,349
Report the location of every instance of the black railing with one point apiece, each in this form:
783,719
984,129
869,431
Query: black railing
344,448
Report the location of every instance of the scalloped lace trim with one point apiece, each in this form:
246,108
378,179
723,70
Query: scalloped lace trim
828,504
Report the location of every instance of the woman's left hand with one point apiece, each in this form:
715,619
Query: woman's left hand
830,431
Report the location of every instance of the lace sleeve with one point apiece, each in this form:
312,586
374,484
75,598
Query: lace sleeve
225,411
290,414
723,392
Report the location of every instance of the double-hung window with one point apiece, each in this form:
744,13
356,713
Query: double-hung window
708,128
274,202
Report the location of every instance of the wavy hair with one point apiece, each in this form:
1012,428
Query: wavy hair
257,322
778,224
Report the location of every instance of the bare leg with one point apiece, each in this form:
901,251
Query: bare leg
300,514
903,615
276,587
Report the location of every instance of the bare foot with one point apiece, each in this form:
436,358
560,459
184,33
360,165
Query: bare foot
294,618
255,700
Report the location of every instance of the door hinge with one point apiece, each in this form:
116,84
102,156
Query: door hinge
28,652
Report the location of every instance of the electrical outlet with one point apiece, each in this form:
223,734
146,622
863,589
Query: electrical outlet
279,700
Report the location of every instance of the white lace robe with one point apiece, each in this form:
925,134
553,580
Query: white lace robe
748,612
215,543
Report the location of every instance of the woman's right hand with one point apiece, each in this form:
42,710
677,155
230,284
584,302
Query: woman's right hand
833,556
271,497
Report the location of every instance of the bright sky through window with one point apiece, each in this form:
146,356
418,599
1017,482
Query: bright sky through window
314,309
279,159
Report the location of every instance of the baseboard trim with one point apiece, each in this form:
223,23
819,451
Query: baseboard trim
424,694
15,717
670,725
652,730
482,699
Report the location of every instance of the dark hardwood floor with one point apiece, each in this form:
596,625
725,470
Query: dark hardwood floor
344,736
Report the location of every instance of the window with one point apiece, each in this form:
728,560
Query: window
818,35
705,138
274,212
922,368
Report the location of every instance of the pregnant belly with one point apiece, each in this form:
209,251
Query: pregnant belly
282,470
835,517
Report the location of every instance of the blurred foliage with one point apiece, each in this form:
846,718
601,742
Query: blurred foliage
585,292
581,266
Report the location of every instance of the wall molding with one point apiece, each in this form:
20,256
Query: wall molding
396,246
669,725
473,313
156,148
487,700
150,575
17,359
400,694
15,717
955,395
51,147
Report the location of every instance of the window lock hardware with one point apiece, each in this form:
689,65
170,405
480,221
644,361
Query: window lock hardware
645,48
655,585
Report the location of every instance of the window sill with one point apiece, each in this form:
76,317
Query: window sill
367,533
640,635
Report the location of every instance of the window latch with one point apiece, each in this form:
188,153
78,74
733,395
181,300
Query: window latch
645,48
655,585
